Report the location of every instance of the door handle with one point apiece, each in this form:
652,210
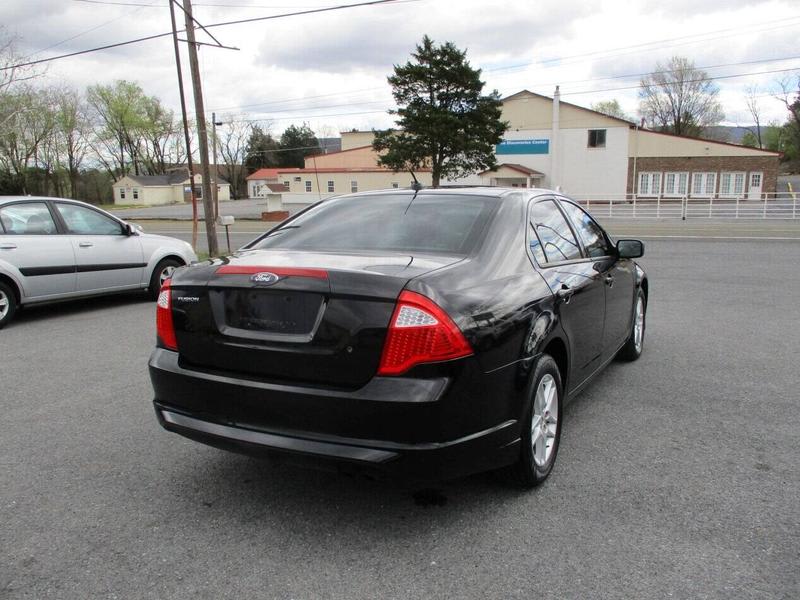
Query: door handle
565,293
86,244
7,246
609,279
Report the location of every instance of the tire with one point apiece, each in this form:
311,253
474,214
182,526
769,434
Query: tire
539,442
8,304
634,346
162,271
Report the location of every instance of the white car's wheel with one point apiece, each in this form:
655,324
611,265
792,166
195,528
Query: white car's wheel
8,304
161,273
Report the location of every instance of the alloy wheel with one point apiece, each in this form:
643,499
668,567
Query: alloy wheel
638,325
5,304
544,421
165,274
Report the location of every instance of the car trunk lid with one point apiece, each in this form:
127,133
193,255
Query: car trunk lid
315,318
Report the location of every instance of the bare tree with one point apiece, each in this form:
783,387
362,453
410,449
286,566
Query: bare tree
24,132
679,98
232,138
10,74
72,131
753,106
790,87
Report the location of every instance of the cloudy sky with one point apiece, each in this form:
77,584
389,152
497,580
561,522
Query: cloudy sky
330,69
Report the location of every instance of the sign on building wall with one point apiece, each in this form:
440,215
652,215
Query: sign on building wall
539,146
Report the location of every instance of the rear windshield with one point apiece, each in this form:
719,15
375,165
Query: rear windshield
437,224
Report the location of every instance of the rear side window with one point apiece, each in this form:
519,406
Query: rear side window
403,223
591,234
28,218
554,234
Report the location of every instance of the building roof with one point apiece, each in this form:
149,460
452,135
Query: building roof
340,151
515,167
171,178
176,177
263,174
560,101
298,171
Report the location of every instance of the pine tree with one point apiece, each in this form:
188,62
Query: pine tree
444,122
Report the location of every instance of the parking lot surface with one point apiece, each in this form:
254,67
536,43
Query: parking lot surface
677,475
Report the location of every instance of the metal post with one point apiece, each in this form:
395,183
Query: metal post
658,206
610,207
215,187
683,208
737,207
202,134
710,205
228,237
764,214
794,207
634,207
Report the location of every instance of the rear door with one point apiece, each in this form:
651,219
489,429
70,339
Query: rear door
106,257
617,275
30,242
575,281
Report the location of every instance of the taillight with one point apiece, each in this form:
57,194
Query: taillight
164,326
420,332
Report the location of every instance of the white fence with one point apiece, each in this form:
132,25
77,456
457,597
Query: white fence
767,206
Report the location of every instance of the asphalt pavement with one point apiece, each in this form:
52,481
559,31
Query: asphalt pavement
677,475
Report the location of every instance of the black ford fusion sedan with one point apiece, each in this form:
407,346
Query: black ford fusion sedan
428,334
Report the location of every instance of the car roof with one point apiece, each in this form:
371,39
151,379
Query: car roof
484,191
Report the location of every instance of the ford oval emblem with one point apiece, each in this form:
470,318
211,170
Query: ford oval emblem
264,278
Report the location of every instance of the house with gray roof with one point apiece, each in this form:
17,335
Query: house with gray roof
172,188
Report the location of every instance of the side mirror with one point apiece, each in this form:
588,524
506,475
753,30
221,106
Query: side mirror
630,248
133,229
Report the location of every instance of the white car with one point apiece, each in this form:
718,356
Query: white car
56,249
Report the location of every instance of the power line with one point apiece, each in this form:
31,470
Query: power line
168,33
369,112
560,60
288,109
69,39
633,87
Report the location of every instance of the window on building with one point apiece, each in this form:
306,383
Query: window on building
298,179
395,185
703,184
353,186
286,184
597,138
731,184
676,184
331,187
135,193
122,193
649,184
308,186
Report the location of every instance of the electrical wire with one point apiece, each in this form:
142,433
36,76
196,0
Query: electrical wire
224,24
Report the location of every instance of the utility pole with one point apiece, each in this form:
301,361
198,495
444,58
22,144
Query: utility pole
185,124
202,133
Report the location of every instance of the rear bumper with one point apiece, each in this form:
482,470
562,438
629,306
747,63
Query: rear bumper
317,425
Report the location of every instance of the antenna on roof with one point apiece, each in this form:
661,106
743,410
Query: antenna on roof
416,186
